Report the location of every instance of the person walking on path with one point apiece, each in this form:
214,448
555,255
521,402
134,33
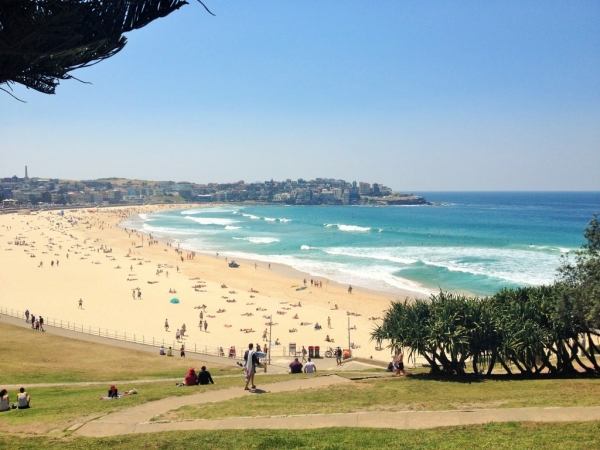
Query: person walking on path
250,367
26,316
328,322
133,294
304,354
166,325
32,321
80,304
205,326
182,351
399,363
200,325
42,324
139,294
183,328
338,356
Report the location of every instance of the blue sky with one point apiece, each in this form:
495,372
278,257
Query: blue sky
479,95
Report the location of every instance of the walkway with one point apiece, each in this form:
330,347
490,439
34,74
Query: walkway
137,419
130,420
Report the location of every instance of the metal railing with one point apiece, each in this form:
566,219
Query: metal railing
137,338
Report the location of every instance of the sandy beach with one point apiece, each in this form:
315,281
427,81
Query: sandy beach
49,262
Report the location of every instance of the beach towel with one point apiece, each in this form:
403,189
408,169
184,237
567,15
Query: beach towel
112,398
249,367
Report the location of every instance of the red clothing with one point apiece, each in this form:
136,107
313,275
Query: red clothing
190,379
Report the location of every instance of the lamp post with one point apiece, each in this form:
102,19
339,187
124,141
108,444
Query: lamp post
349,347
270,349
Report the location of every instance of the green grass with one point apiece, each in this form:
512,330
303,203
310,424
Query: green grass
555,436
411,393
60,407
29,357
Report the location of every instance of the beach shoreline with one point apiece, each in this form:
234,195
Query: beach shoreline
106,264
395,293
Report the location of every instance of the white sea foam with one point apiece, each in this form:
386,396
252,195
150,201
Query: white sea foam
511,265
258,240
306,247
270,219
371,253
549,248
285,220
231,227
251,216
167,231
210,210
211,220
343,227
375,277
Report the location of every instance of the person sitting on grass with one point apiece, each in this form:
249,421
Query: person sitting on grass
191,378
23,399
170,352
204,376
295,366
113,392
4,401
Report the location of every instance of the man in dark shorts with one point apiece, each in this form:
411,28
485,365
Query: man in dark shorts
399,363
338,356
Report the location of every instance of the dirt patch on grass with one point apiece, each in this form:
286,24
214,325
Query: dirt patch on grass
480,405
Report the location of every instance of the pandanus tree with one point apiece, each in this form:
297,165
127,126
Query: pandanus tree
43,41
528,330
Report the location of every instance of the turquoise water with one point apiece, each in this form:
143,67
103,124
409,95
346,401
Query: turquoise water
475,242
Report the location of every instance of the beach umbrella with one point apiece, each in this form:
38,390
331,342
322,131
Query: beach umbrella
174,300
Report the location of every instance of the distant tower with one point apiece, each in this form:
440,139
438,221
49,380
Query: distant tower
26,177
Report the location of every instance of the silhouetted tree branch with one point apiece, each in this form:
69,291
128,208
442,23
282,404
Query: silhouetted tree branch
41,41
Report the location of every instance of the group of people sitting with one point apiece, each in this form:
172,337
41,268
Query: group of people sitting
193,379
161,351
296,366
23,400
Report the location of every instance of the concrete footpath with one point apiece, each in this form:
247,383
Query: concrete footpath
129,420
138,419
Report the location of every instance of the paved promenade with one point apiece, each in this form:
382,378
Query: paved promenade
138,419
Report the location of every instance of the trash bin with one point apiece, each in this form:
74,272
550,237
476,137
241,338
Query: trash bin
317,350
311,351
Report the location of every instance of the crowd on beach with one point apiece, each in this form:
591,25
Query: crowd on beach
62,238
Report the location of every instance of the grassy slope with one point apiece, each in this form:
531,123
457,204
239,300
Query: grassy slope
60,407
33,357
555,436
411,393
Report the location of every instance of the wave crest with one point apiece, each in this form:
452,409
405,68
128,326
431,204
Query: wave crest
258,240
342,227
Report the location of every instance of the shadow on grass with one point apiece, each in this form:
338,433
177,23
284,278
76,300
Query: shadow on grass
474,378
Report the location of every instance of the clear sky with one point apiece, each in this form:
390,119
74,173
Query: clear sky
468,95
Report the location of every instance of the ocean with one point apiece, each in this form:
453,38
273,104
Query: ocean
475,242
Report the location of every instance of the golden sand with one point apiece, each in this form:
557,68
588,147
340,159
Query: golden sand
102,264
